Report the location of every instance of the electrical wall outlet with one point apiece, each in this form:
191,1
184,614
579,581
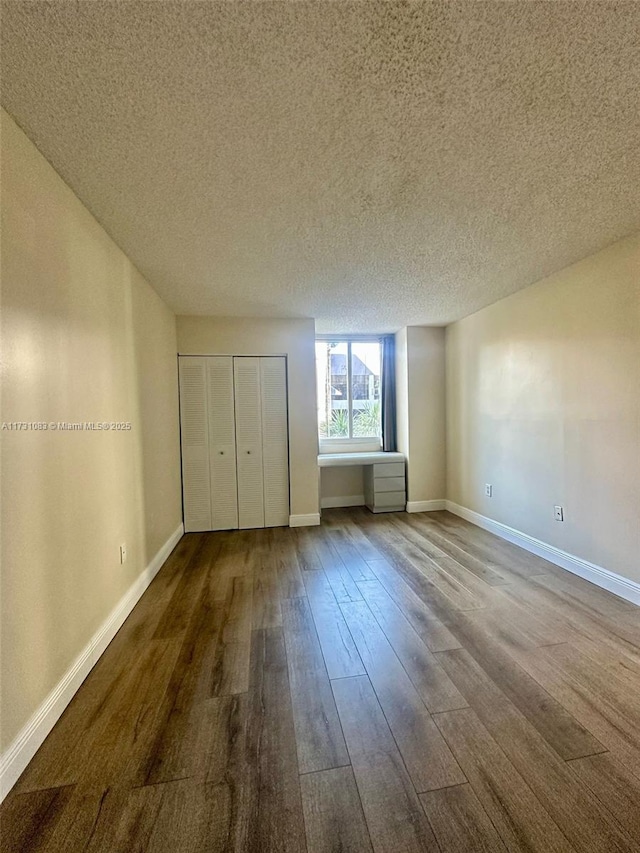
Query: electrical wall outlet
488,489
558,513
123,553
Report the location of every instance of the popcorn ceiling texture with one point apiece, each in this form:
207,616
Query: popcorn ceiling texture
370,164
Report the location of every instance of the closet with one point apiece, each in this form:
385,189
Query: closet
234,440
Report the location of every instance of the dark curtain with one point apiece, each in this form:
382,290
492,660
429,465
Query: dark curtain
389,393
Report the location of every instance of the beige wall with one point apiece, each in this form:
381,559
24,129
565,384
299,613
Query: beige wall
84,338
420,381
156,383
293,338
543,396
342,483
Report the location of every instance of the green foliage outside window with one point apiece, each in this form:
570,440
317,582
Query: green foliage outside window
366,422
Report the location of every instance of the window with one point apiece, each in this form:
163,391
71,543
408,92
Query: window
348,375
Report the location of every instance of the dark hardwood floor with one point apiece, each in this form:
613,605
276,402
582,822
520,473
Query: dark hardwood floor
382,683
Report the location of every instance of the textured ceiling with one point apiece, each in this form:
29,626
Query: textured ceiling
369,164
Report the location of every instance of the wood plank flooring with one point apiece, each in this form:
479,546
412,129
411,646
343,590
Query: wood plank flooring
378,684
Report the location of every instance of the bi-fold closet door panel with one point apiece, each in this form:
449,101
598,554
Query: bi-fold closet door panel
234,433
246,374
194,437
275,442
222,443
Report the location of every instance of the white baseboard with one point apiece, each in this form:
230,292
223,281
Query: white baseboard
348,500
425,506
598,575
308,520
27,742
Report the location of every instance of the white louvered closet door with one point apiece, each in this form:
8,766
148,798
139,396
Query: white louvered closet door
275,444
222,443
196,485
246,371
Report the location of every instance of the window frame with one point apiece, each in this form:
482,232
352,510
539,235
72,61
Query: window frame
352,444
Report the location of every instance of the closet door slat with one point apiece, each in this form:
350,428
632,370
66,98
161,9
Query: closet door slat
222,443
275,444
196,483
246,371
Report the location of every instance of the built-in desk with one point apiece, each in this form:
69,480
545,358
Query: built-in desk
384,477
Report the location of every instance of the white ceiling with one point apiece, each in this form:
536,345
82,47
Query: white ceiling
369,164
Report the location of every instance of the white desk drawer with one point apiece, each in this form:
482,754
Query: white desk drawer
383,499
388,469
388,484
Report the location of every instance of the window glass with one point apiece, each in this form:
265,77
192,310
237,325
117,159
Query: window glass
365,384
348,392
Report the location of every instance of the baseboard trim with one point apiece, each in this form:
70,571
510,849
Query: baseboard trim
308,520
27,742
348,500
598,575
425,506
